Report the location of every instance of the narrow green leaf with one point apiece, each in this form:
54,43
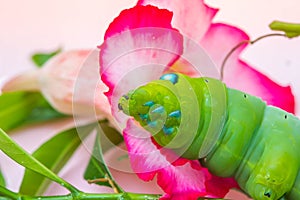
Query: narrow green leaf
18,108
110,137
42,112
15,107
97,168
291,29
41,58
2,180
6,194
19,155
54,154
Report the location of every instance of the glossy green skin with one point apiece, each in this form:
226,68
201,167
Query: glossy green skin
259,146
193,136
237,134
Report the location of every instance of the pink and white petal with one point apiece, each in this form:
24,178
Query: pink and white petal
140,44
178,177
218,41
139,17
195,61
139,36
26,81
64,79
243,77
192,18
210,51
75,75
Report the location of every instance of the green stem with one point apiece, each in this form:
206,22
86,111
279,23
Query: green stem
119,196
241,44
85,196
70,187
7,193
290,30
80,196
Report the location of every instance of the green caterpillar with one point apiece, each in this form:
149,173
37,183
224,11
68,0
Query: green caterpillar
233,133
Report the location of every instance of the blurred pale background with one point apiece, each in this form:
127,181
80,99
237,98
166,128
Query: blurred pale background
34,25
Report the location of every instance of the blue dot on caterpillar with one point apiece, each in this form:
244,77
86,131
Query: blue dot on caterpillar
173,78
160,110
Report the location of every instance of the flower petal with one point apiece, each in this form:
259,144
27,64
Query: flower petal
178,177
71,83
139,17
218,41
139,36
192,18
27,81
139,45
63,80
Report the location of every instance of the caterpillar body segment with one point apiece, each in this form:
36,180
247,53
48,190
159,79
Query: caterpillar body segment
236,134
244,115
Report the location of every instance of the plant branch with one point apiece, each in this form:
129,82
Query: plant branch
241,44
79,196
106,178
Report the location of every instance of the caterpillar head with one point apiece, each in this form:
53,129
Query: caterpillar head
180,112
156,106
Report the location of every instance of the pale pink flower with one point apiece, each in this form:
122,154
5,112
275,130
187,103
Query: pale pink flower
69,81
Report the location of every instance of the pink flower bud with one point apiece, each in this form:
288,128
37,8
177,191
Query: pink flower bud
70,82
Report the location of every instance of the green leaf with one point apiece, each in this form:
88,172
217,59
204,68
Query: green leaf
2,180
15,107
41,58
18,108
42,112
291,29
19,155
54,154
97,168
6,194
5,198
110,137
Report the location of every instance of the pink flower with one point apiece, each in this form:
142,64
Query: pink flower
218,39
142,43
70,83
